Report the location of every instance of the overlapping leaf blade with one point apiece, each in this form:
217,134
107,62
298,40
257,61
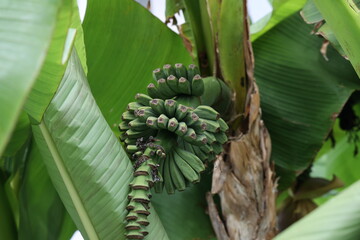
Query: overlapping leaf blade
337,219
122,55
301,92
25,33
42,214
86,162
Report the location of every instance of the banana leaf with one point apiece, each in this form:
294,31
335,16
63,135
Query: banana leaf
85,161
301,92
23,48
337,219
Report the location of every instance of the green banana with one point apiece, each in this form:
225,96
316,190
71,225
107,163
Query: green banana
151,122
210,136
182,129
153,91
158,73
172,82
192,71
172,124
188,172
127,116
168,70
221,137
167,177
137,125
191,118
157,105
203,156
217,147
191,159
206,148
184,86
207,112
123,126
143,99
223,126
133,106
181,112
180,70
177,176
164,88
170,107
212,126
190,135
144,112
132,148
197,86
163,121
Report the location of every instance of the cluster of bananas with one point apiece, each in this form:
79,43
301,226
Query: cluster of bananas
170,136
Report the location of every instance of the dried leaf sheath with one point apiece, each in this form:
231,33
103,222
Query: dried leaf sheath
244,180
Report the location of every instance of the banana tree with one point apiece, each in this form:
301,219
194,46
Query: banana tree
123,129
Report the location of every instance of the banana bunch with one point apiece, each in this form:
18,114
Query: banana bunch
171,136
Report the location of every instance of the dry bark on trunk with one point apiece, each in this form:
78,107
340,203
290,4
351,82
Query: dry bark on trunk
243,177
244,180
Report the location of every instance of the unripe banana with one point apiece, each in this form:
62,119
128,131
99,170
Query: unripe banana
223,126
133,106
153,91
180,70
158,73
172,82
164,88
157,105
217,147
184,86
143,99
151,122
170,107
207,112
221,137
137,124
188,172
169,70
163,121
212,126
170,188
123,126
181,112
172,125
191,159
190,136
182,129
192,71
197,86
127,116
177,176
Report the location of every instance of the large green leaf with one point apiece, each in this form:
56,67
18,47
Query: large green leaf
184,213
122,55
86,162
343,18
42,214
7,223
339,218
301,92
281,10
68,30
26,31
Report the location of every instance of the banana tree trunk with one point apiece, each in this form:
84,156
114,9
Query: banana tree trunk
243,178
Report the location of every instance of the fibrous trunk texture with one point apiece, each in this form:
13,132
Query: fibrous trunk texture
244,180
243,177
